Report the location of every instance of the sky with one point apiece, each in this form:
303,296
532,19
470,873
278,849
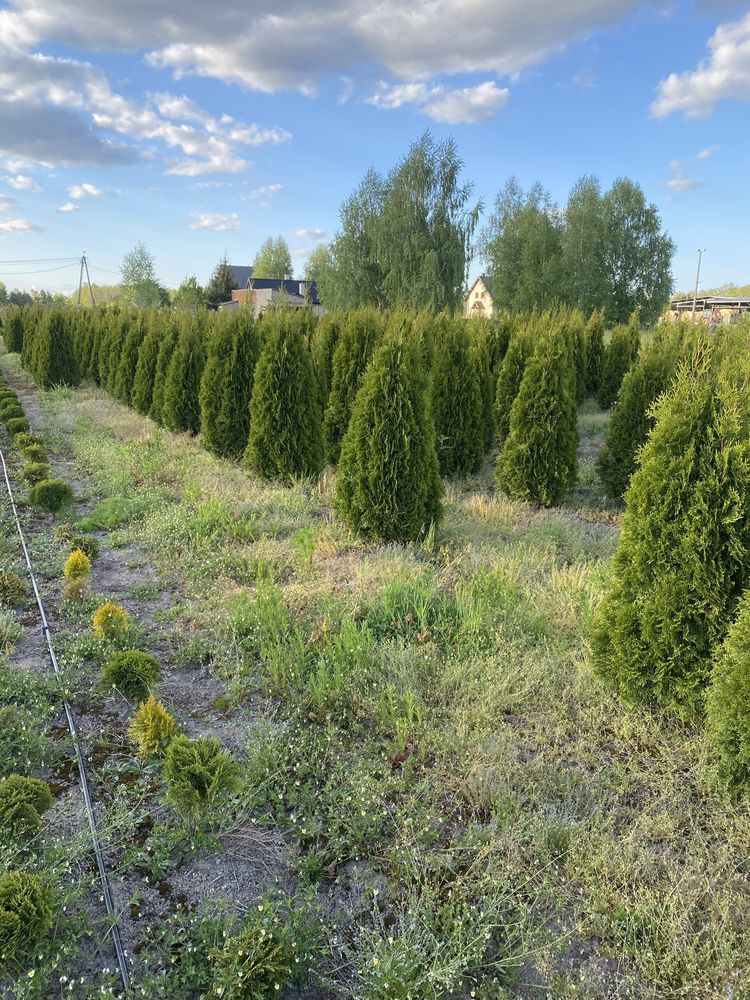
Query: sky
199,128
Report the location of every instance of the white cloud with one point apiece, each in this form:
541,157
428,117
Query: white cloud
724,74
264,47
677,180
310,234
7,203
78,191
22,183
68,207
706,153
214,220
468,106
465,106
19,226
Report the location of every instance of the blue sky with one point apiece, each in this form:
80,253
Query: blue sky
201,128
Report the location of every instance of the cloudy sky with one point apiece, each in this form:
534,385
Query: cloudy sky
199,127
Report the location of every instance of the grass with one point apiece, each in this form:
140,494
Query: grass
427,717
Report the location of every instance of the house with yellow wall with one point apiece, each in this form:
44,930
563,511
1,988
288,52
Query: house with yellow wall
478,299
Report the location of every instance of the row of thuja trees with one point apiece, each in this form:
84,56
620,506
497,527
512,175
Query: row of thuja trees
396,401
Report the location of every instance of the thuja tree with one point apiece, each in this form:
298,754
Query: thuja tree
578,333
619,355
236,401
457,404
124,373
54,359
683,557
632,418
511,374
145,369
323,344
181,406
728,706
594,350
356,342
286,431
539,459
13,330
215,431
166,350
388,483
108,352
481,334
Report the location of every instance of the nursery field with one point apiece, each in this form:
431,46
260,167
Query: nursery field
428,791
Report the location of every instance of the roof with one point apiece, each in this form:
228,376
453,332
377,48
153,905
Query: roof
706,301
292,286
486,281
241,274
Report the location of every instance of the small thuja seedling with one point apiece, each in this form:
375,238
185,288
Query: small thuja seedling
110,622
152,728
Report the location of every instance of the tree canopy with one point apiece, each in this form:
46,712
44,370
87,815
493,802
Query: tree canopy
273,260
221,283
406,238
138,278
604,250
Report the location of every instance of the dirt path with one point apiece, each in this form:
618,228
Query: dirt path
247,861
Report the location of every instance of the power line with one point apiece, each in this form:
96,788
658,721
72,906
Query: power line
41,260
46,270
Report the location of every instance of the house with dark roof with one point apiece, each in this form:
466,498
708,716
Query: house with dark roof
478,300
260,294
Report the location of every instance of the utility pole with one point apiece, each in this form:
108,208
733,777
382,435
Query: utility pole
88,279
80,279
697,279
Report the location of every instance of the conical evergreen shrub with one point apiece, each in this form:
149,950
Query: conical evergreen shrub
357,340
388,484
578,333
286,428
457,404
322,347
13,330
166,350
594,351
110,344
54,360
631,418
142,395
181,404
683,558
539,458
245,353
481,333
124,374
619,355
511,374
214,388
728,706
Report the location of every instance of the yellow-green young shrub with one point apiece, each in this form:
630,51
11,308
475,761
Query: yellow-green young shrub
76,588
17,425
24,439
77,565
728,706
132,672
199,774
25,915
152,728
51,495
22,801
36,472
12,588
65,534
110,622
259,961
34,453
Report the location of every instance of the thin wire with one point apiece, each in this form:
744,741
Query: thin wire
116,938
46,270
97,268
40,260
